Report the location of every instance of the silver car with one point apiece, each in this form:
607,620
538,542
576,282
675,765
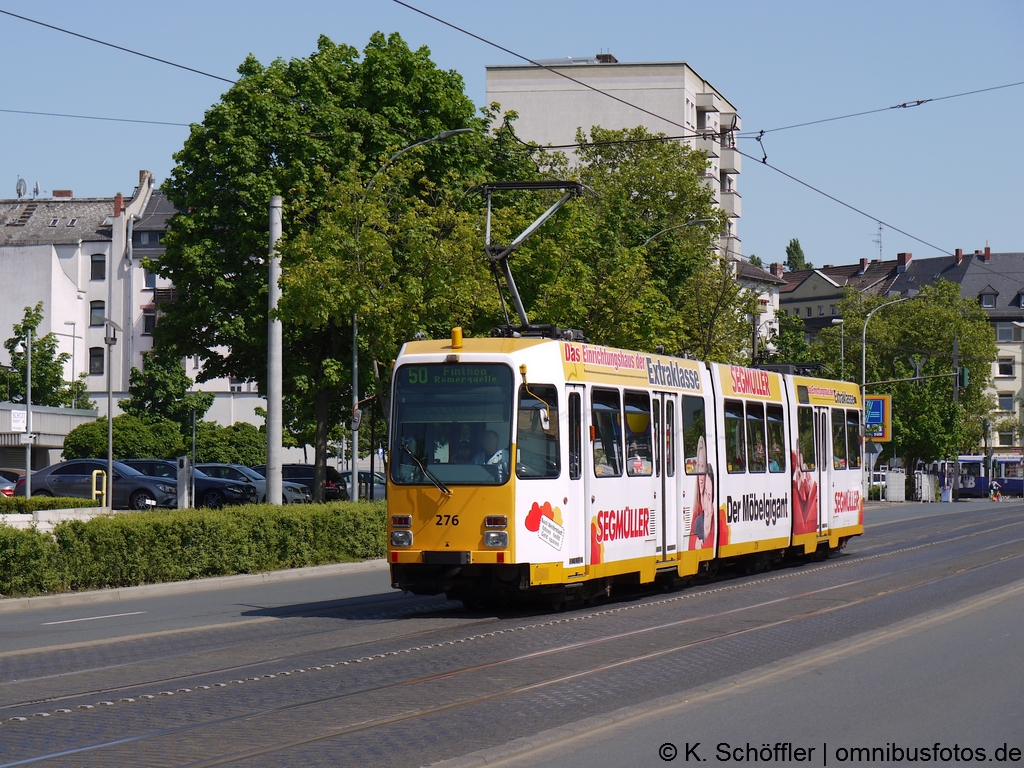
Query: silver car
291,493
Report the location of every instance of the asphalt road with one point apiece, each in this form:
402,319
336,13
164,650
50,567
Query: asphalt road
913,634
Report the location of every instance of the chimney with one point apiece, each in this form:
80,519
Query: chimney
959,256
902,260
863,266
988,254
65,193
828,266
777,270
118,204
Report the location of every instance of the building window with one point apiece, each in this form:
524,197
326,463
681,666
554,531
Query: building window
54,222
97,315
1008,332
821,310
150,278
1006,366
988,300
833,308
809,312
99,267
1005,402
236,385
1006,438
148,322
144,238
96,361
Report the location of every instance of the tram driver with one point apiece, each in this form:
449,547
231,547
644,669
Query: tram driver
492,454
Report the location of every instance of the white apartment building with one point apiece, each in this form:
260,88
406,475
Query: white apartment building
80,256
551,108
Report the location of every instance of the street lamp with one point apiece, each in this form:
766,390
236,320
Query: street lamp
27,349
355,318
864,376
110,339
690,223
842,346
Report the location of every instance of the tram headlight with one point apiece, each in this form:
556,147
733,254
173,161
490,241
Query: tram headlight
496,539
401,538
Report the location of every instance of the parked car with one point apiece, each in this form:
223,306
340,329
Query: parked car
131,489
334,489
292,493
380,484
9,479
210,491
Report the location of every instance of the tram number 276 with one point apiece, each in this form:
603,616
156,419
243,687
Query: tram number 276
447,520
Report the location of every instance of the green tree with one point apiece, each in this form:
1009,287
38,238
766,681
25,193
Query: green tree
160,390
927,424
756,261
134,438
795,259
48,384
788,343
239,443
313,130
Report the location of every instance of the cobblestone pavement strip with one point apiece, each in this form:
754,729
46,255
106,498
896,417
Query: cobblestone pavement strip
402,691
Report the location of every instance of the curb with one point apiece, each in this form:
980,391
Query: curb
118,594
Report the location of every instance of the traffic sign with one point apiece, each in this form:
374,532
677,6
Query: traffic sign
878,418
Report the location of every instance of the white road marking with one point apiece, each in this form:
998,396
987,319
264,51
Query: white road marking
92,618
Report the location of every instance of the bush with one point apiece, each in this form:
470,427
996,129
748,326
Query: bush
134,438
29,563
240,443
18,505
149,547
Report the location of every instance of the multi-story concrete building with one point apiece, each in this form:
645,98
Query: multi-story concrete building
551,108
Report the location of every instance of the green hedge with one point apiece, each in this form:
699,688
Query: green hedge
20,505
149,547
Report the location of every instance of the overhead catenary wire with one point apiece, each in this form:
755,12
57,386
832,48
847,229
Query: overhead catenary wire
91,117
762,161
116,47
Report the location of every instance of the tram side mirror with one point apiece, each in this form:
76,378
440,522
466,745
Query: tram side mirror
545,419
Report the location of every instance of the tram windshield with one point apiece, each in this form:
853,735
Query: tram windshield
452,421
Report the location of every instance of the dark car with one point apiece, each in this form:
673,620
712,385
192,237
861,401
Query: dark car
210,491
334,488
131,489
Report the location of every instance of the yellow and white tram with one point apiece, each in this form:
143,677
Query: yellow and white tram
524,465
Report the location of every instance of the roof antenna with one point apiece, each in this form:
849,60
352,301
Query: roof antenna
21,188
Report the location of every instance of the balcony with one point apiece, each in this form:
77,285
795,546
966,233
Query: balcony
730,160
709,102
708,142
165,295
732,204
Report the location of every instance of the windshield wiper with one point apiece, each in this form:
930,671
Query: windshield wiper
427,473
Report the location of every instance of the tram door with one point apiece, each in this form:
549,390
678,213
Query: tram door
579,480
823,440
665,413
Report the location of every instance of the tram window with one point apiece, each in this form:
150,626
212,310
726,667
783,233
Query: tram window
693,431
735,455
852,439
575,436
755,438
657,437
670,440
776,439
607,421
639,456
838,438
805,439
537,451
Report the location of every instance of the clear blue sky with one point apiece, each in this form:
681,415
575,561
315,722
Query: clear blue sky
948,172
